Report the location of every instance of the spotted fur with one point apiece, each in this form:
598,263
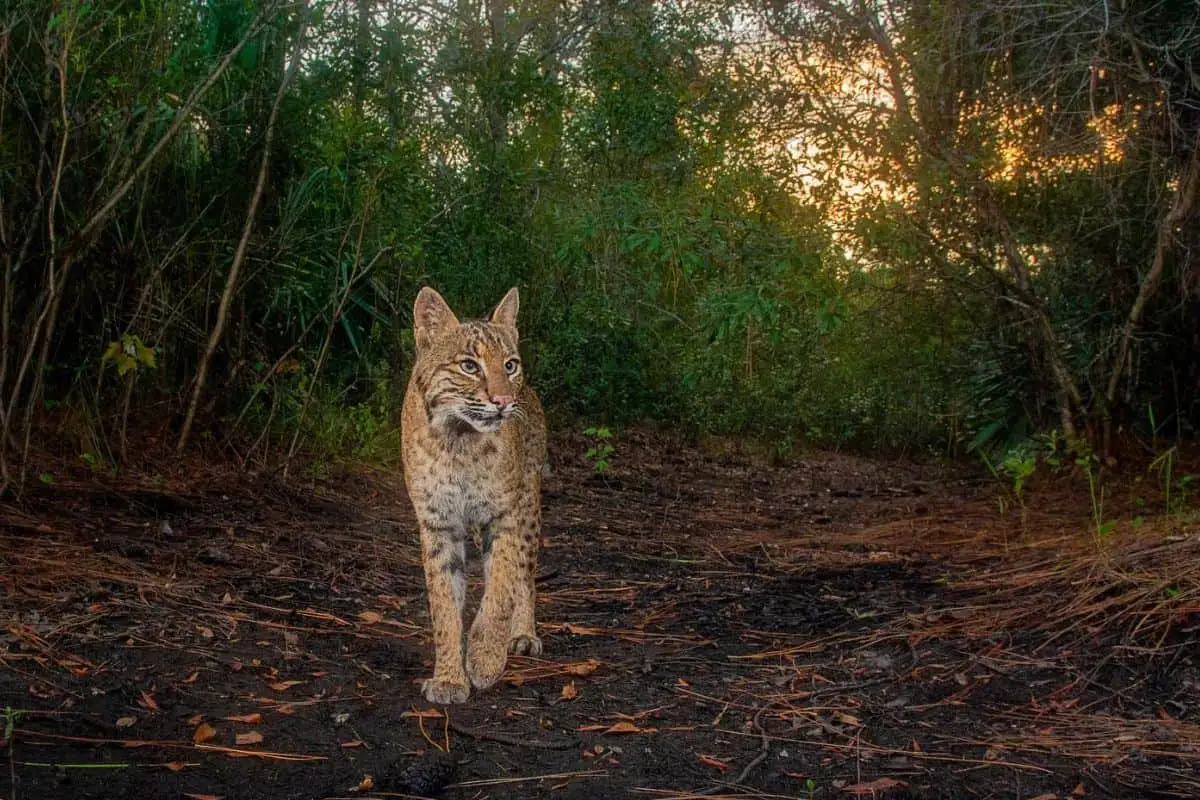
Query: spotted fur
474,442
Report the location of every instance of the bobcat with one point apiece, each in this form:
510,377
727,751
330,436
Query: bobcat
474,442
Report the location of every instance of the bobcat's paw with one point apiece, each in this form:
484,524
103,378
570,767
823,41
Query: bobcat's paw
445,692
525,645
485,665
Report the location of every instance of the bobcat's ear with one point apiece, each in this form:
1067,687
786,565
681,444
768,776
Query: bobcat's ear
506,312
431,317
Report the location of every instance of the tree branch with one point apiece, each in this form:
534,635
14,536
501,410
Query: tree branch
1185,202
239,254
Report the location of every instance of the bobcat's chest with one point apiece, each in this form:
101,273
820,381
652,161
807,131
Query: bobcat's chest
467,488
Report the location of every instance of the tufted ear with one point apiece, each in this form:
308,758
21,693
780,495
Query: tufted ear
506,312
431,317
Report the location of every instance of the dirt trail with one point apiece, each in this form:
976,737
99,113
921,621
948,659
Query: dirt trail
836,629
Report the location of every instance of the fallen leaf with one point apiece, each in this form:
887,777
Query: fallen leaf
353,743
192,678
365,785
126,722
569,692
204,631
849,719
249,737
250,719
370,617
176,766
195,719
873,787
203,796
583,668
713,762
235,666
283,686
204,733
1079,791
147,701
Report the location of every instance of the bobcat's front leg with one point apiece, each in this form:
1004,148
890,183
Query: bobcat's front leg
504,567
523,638
443,553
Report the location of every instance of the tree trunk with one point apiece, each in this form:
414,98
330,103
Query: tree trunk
239,254
1181,209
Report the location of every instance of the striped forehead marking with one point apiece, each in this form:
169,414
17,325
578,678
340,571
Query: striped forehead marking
483,337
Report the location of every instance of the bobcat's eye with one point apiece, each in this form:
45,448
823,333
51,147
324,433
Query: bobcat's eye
511,366
469,366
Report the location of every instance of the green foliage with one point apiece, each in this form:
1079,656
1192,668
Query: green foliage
128,353
1020,464
715,223
599,451
1176,488
98,463
1090,465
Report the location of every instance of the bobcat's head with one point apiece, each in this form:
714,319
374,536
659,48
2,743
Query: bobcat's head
469,372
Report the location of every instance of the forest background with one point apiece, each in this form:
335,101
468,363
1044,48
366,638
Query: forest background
940,226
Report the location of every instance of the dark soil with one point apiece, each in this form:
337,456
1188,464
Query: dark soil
834,629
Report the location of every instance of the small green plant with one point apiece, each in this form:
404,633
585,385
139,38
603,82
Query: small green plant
1164,465
1019,464
1090,464
47,478
1182,487
97,463
128,353
1175,489
1052,448
599,450
11,715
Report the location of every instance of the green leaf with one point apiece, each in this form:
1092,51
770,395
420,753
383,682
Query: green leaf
349,329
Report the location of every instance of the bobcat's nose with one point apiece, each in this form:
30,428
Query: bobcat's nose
503,401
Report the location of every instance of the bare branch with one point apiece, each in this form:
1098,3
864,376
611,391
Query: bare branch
239,254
